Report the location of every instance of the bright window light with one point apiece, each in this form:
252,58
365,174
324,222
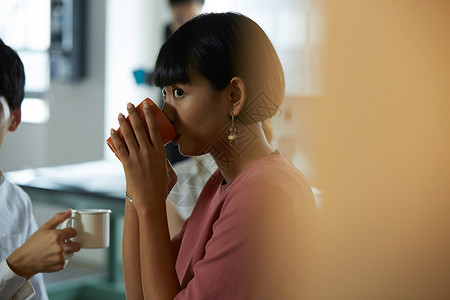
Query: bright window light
25,24
25,27
35,111
37,70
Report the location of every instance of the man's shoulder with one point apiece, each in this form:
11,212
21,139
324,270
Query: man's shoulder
11,192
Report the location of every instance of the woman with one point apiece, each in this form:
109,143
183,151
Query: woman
220,77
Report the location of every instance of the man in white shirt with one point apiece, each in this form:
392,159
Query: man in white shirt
24,254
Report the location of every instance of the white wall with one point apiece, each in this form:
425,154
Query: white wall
74,132
121,36
380,149
133,37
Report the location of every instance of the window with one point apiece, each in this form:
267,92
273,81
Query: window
25,27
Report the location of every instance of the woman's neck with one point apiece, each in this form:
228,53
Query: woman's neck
251,146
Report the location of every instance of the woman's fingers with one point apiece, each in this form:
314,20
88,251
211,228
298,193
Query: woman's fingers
120,148
127,129
134,135
153,128
139,127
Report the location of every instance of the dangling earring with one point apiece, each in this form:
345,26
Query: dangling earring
232,132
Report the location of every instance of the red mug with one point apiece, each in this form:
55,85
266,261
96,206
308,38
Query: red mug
167,131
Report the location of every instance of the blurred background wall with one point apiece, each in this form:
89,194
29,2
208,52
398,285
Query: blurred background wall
74,130
380,150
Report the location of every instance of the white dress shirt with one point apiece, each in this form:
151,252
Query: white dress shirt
17,223
192,173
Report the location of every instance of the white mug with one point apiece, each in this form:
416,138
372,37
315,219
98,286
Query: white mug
92,226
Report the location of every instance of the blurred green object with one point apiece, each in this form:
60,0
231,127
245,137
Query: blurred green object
95,290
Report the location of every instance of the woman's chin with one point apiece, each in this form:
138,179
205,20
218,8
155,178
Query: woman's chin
187,151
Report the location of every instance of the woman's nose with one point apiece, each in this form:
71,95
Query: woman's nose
169,112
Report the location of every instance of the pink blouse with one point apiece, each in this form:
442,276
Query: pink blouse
244,238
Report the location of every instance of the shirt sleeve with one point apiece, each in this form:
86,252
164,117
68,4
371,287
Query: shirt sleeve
12,286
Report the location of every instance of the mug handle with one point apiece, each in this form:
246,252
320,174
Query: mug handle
66,221
66,224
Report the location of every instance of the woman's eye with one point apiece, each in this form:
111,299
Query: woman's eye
177,93
163,92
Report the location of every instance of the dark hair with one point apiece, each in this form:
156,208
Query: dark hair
172,2
12,76
219,46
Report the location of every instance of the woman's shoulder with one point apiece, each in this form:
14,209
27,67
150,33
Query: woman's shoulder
271,179
270,172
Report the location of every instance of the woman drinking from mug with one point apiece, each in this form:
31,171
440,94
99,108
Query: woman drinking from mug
249,231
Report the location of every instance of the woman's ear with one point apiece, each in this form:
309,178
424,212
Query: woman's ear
238,94
16,117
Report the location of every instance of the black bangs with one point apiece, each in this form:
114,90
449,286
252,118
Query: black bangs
172,64
200,46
